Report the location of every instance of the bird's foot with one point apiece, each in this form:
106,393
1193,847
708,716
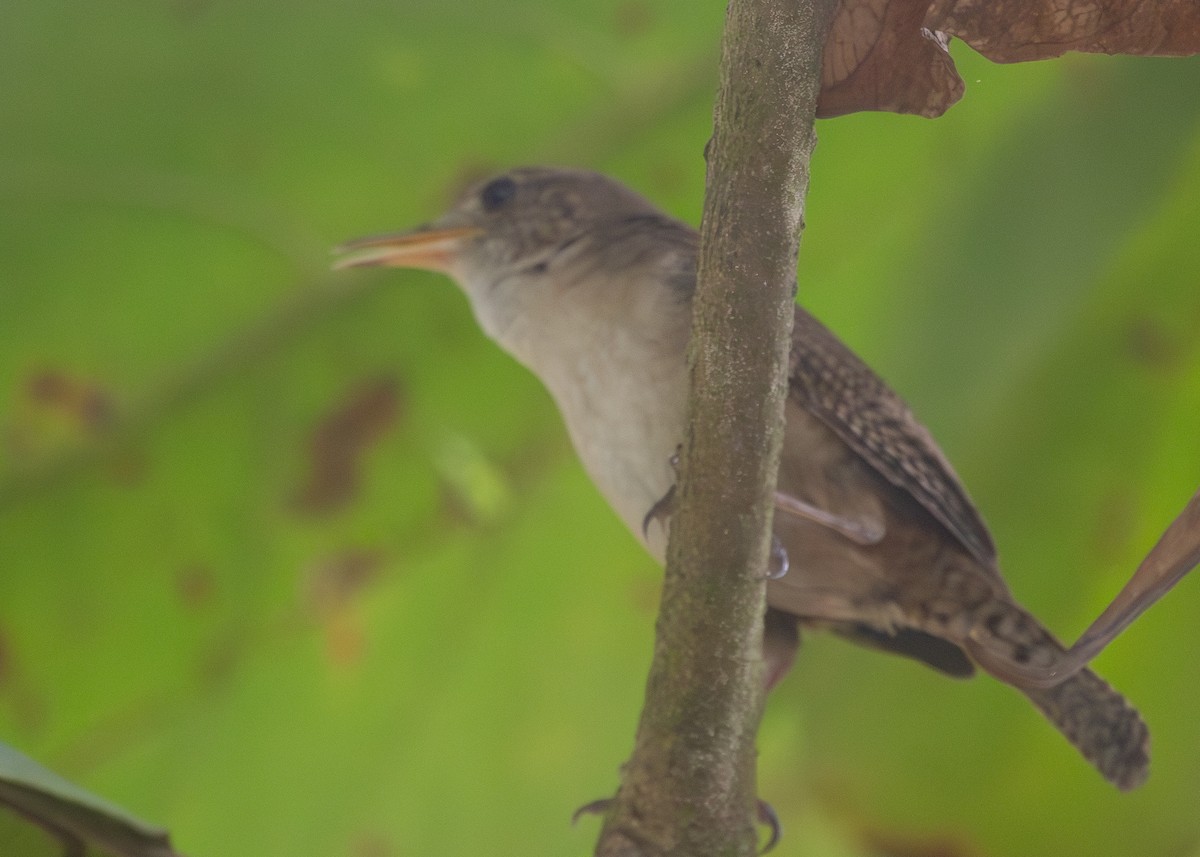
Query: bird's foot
664,507
596,807
768,818
661,511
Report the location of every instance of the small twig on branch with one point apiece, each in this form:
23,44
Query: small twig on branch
689,788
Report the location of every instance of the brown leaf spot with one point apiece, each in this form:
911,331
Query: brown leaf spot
127,466
372,845
880,56
221,659
633,17
196,585
1150,343
339,442
345,641
889,844
57,410
1022,30
82,402
332,581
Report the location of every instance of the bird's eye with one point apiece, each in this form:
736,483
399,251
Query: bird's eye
496,193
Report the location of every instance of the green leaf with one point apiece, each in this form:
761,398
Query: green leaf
450,658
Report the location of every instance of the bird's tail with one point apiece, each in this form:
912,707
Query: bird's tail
1101,723
1012,645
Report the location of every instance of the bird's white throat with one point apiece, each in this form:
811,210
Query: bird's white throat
613,355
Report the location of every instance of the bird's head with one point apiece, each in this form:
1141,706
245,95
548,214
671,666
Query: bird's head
517,242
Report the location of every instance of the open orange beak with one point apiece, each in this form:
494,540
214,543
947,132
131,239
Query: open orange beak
430,249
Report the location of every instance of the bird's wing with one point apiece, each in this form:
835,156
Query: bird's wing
830,381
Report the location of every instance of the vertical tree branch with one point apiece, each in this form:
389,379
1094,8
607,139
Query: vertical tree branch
689,788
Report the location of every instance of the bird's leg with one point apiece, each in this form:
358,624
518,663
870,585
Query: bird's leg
664,507
860,532
768,818
595,807
661,511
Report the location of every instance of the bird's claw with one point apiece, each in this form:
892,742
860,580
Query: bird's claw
596,807
664,507
660,511
769,818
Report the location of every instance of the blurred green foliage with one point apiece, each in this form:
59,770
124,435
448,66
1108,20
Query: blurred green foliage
297,563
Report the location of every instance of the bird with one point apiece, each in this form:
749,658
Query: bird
589,285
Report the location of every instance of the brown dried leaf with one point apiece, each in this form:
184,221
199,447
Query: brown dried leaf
891,54
1175,554
1021,30
880,56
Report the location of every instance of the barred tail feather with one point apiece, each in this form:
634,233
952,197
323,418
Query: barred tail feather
1104,727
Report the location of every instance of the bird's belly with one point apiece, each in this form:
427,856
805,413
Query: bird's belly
626,433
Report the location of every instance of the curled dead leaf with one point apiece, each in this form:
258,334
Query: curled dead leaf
1022,30
880,56
892,54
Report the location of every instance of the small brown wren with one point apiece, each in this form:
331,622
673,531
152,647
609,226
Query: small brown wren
590,286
